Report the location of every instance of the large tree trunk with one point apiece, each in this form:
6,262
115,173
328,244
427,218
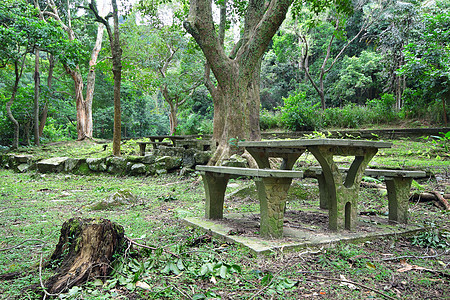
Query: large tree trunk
79,101
116,52
85,251
238,110
173,120
237,99
117,71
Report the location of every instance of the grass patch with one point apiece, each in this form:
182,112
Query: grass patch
34,206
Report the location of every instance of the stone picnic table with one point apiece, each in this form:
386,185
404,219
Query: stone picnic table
341,188
191,141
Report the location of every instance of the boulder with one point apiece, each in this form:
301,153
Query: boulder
52,165
119,198
202,157
138,169
96,164
116,165
168,163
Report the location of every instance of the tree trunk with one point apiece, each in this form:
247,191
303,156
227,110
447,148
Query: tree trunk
44,114
173,120
37,82
237,99
116,52
90,83
85,251
18,73
238,108
117,71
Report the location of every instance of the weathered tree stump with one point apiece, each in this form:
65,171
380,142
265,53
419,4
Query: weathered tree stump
84,251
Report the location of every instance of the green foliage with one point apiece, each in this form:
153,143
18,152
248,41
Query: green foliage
58,132
269,119
350,116
194,123
300,114
358,78
433,237
442,142
383,109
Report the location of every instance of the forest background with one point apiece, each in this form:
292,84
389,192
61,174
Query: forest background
379,62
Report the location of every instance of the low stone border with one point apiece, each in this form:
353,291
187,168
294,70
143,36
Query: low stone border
159,161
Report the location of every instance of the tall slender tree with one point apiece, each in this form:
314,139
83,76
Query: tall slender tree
116,51
83,103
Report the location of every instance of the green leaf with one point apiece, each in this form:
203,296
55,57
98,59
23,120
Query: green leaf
267,278
223,271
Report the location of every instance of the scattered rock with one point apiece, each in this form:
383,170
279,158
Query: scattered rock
119,198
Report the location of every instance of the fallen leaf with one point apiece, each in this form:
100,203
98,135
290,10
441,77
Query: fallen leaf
348,284
143,285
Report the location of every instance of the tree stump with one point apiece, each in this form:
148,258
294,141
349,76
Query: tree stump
84,251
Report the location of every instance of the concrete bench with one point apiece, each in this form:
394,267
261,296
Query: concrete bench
143,145
272,186
398,185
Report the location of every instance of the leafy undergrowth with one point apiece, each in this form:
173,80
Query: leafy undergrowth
178,262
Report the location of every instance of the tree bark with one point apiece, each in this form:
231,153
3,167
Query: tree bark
236,97
117,71
44,114
90,83
116,52
37,82
18,74
84,251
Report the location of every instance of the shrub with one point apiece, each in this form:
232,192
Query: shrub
350,116
269,119
300,114
54,132
194,124
382,109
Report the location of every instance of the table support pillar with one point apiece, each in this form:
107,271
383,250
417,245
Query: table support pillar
215,186
342,192
272,193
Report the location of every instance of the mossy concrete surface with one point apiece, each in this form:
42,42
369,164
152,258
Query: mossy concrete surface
243,229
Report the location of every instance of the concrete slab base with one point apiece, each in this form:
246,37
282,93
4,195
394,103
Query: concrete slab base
302,229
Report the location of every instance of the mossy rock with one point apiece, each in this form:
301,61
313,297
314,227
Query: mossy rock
83,169
119,198
96,164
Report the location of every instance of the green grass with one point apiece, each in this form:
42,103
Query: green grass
34,206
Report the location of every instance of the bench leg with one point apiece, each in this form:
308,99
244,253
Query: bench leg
323,192
215,186
398,190
272,194
142,149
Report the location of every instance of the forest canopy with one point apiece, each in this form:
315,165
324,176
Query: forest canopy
329,64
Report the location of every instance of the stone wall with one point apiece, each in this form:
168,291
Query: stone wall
368,134
159,161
